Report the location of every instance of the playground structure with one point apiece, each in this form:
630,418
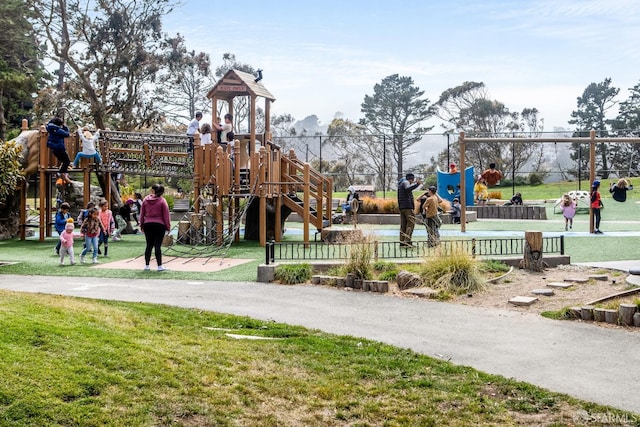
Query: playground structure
449,185
592,141
250,180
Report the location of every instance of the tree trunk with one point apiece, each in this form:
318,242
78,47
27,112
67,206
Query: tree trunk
532,260
2,120
626,314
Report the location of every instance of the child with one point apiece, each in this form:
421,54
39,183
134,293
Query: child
205,134
619,190
66,238
456,211
91,228
108,225
568,208
84,214
88,146
481,191
61,221
58,131
135,207
596,205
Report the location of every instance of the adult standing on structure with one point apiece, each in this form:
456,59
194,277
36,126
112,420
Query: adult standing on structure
193,127
407,206
155,222
225,128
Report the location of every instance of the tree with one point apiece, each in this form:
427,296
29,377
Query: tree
397,109
596,100
627,123
468,108
362,152
20,68
184,84
113,50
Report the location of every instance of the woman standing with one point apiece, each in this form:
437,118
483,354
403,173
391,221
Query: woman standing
596,204
155,222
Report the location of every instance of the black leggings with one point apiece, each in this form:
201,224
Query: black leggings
596,215
64,159
154,233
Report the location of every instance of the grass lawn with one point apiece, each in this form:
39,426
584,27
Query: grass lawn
68,361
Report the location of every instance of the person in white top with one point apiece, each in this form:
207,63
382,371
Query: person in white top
225,128
88,146
194,125
205,134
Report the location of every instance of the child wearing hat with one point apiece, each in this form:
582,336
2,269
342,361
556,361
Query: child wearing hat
66,242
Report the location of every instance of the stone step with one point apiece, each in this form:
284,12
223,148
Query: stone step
559,285
545,292
522,301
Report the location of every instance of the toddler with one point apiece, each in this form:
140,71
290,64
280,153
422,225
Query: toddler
66,240
568,208
91,227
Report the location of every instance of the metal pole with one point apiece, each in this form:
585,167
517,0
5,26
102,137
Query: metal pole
513,168
448,154
384,167
320,154
579,166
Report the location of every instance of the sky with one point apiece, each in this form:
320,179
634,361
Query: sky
323,57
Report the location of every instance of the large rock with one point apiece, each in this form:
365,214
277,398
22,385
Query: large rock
407,280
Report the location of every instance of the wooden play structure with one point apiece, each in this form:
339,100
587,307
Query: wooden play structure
251,176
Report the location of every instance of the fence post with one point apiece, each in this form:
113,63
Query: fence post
473,247
375,250
561,245
267,253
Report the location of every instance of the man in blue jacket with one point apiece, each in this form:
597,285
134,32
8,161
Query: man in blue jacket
406,204
58,131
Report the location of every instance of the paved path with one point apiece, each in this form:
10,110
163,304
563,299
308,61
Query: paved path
593,363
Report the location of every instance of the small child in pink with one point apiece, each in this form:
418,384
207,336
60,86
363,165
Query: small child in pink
66,240
568,208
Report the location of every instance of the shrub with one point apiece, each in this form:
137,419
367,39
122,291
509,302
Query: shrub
493,266
455,272
371,206
495,195
536,178
290,274
170,200
11,172
381,266
390,206
388,275
368,206
359,262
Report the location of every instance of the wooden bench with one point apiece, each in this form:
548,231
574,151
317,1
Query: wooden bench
181,205
509,212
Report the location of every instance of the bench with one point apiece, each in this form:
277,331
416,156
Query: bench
181,205
509,212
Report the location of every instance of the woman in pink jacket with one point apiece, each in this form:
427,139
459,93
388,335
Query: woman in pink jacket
155,222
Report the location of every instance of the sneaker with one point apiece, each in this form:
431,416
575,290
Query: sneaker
599,232
95,261
61,264
146,268
161,268
82,259
566,227
72,263
571,227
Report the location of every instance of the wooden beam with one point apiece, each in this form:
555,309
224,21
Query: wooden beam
305,205
253,121
23,204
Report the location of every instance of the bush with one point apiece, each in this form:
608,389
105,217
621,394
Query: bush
11,172
495,195
493,266
390,206
291,274
371,206
170,200
455,272
389,275
381,266
359,262
536,179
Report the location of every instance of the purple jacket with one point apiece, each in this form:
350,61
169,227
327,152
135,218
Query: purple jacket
155,209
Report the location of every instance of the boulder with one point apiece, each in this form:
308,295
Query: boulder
407,280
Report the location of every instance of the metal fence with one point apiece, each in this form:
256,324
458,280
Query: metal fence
323,251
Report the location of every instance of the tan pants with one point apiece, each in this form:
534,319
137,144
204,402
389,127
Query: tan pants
407,223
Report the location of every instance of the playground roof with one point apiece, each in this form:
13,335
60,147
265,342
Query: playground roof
239,83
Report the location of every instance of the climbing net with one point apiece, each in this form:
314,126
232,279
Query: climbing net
201,240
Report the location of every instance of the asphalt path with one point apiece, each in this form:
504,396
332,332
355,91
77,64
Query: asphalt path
593,363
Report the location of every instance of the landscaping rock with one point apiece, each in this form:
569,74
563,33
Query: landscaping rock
575,312
407,280
636,319
586,312
627,311
598,314
545,292
523,301
611,316
577,280
600,277
559,285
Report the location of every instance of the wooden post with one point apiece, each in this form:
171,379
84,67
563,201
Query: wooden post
86,180
23,204
592,175
532,260
252,107
463,189
329,199
198,179
278,225
263,198
43,160
626,314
